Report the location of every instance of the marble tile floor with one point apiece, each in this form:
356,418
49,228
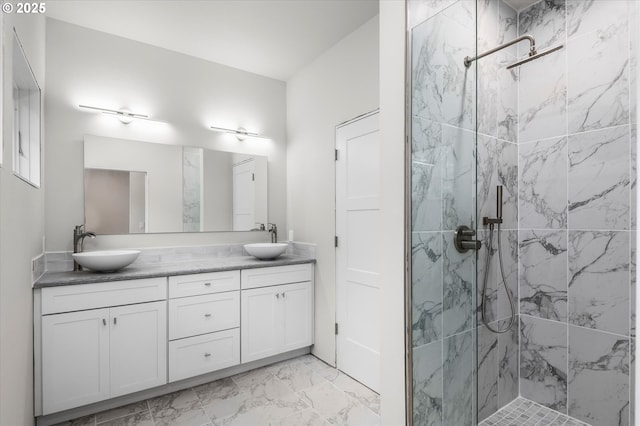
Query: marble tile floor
296,392
523,412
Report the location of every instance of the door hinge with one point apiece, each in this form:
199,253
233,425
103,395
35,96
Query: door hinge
336,329
336,155
336,241
253,176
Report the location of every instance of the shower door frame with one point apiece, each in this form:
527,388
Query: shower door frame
408,338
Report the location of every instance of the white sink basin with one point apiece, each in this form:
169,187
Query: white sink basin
106,261
266,251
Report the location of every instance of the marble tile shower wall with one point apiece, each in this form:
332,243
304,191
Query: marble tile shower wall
191,189
556,133
576,232
497,164
443,168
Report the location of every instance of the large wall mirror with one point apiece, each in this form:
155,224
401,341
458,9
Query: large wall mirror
141,187
26,118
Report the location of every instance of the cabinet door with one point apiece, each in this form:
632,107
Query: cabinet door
138,350
297,316
75,359
259,333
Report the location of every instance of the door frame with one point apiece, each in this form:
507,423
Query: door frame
335,217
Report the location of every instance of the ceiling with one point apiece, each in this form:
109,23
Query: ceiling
274,38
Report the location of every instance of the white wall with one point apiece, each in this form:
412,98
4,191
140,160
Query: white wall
89,67
338,86
392,135
163,165
217,190
108,214
21,231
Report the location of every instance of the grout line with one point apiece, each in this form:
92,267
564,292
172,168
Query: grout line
577,326
201,405
153,420
631,302
517,133
568,164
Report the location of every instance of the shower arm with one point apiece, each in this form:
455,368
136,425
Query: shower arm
532,49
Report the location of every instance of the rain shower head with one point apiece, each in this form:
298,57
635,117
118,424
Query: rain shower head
533,52
533,55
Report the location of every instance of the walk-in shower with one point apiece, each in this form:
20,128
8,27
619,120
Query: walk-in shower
522,234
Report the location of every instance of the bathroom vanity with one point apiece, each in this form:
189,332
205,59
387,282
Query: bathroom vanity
124,336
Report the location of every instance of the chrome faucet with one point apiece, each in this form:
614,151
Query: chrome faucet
259,228
79,234
273,230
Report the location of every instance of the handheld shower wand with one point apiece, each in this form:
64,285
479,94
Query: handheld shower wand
498,219
492,222
499,203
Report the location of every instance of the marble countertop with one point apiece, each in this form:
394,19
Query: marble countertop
150,270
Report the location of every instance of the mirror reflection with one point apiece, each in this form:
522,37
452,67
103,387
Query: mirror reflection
156,188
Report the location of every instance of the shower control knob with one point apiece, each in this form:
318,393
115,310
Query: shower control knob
463,239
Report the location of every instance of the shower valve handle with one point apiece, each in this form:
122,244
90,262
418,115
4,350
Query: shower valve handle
463,239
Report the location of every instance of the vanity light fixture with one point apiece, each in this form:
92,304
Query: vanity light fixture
241,133
123,115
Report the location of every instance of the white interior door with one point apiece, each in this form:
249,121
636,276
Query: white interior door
244,196
358,250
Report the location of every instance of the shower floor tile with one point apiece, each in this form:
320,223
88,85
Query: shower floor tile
523,412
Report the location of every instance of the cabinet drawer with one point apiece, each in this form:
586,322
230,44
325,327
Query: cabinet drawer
202,354
195,284
99,295
262,277
190,316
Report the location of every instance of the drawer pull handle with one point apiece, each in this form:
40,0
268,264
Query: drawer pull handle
283,294
207,284
115,320
207,354
104,321
277,295
207,315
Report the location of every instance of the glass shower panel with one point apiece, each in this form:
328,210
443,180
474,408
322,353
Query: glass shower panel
443,197
497,165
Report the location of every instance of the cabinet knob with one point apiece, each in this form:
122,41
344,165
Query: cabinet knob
207,284
277,295
283,294
207,315
115,320
207,354
104,321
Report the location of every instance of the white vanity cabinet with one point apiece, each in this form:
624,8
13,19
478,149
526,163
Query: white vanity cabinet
115,348
138,338
204,321
277,310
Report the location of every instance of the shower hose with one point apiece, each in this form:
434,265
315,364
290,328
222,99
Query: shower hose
504,282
